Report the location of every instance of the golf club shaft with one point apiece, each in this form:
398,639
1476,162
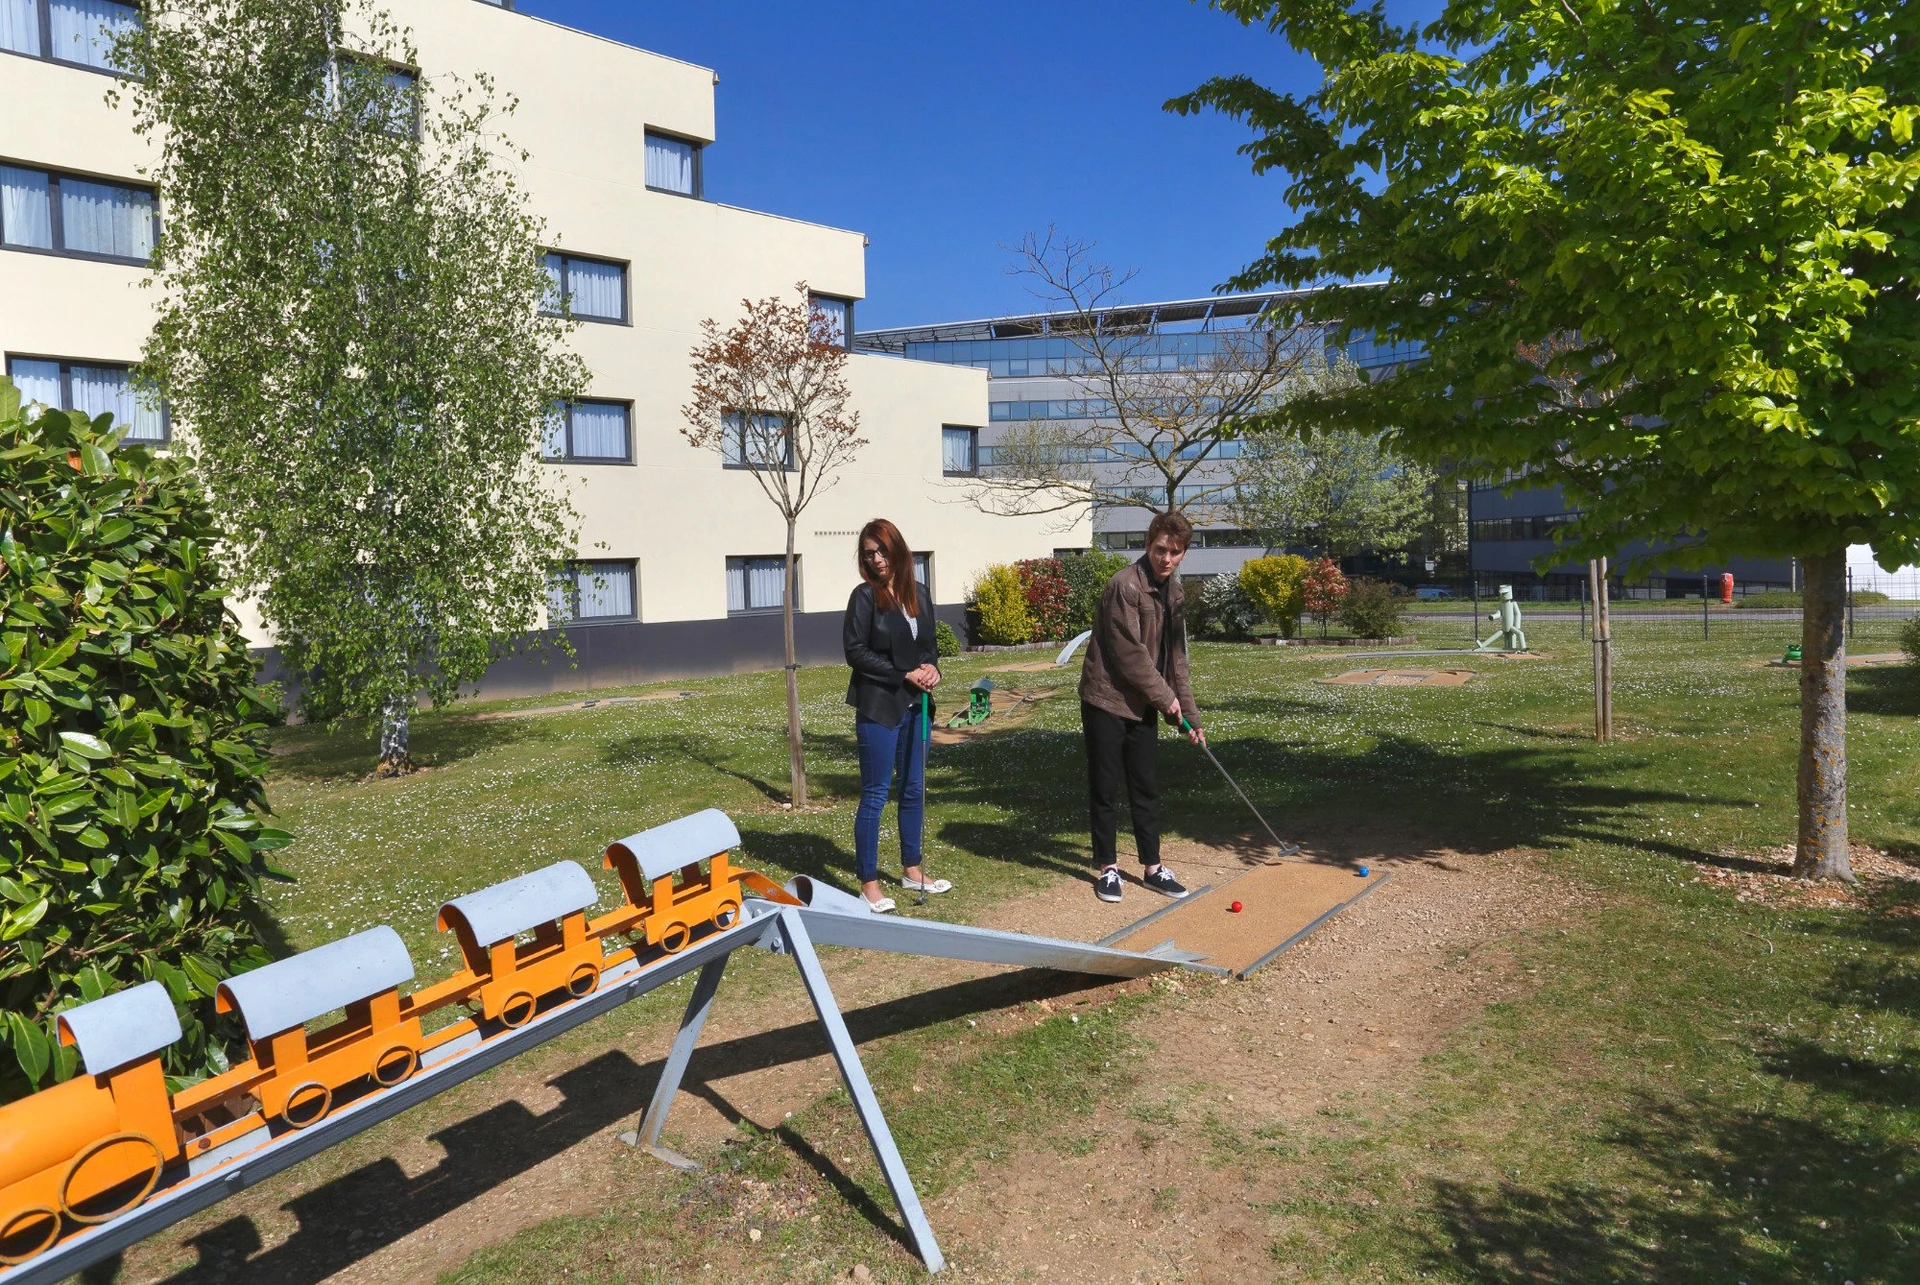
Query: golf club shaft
1277,840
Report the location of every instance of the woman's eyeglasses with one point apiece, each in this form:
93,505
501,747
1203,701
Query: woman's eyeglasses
872,554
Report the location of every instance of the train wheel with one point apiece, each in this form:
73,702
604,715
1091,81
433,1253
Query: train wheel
395,1065
518,1010
109,1177
584,980
28,1232
307,1105
728,915
674,937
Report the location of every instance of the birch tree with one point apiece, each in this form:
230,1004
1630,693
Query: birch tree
350,335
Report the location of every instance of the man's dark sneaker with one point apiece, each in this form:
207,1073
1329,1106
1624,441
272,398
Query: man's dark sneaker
1106,885
1163,882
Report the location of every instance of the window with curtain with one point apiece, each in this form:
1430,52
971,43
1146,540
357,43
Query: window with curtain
959,451
589,591
757,439
590,432
92,388
587,289
759,584
20,27
83,31
673,164
833,317
43,210
923,571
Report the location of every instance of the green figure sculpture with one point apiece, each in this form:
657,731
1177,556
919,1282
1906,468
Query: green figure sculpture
1510,636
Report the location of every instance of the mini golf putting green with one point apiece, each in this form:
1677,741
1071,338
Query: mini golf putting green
1401,678
1281,902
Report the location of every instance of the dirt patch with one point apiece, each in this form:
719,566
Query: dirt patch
599,702
1873,660
1165,1192
1401,678
1766,877
1011,707
1024,667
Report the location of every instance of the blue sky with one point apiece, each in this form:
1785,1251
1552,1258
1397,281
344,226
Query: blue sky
946,130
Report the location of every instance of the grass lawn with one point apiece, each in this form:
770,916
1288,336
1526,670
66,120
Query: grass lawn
1696,1087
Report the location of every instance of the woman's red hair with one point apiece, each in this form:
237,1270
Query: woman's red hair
897,588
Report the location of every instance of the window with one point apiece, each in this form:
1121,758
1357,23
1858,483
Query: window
959,451
923,571
756,439
832,319
393,104
79,33
62,214
92,388
673,165
589,289
590,432
588,591
1539,527
755,585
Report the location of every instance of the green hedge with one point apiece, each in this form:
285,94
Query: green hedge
131,743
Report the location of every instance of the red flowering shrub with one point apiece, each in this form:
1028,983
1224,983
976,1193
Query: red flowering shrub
1049,596
1324,590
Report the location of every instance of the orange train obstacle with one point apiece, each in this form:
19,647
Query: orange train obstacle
86,1151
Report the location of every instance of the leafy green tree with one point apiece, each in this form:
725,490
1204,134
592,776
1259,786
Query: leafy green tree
351,337
131,742
1708,207
1339,492
1276,585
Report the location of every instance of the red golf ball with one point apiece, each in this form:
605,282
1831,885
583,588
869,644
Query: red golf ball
1235,907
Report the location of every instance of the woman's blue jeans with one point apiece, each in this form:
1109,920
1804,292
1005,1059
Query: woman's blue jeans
887,754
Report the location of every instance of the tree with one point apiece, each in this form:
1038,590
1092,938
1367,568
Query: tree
1338,492
132,742
1323,591
770,393
350,335
1276,584
1714,202
1156,421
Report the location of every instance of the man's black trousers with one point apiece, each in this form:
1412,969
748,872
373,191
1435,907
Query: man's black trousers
1121,748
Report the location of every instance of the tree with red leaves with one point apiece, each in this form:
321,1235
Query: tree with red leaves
771,393
1324,590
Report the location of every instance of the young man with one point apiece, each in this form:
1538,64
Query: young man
1136,672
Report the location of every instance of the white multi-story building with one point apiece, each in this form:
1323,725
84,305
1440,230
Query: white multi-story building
675,541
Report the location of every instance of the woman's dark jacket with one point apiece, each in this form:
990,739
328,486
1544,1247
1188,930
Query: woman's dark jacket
883,651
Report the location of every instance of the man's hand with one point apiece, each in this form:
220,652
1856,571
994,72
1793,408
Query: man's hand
1196,734
1173,711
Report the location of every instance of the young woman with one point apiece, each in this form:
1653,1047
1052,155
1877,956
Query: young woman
890,645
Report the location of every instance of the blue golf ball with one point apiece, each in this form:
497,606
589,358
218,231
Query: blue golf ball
1363,872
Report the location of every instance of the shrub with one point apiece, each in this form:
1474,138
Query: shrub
1324,589
131,742
1870,598
1047,596
945,639
1910,637
1001,600
1225,607
1371,610
1086,576
1276,584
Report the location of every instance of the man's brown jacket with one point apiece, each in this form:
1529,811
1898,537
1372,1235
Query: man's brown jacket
1122,670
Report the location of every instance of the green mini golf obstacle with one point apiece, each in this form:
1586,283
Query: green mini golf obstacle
979,705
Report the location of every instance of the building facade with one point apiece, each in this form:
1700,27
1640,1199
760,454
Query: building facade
1040,373
673,573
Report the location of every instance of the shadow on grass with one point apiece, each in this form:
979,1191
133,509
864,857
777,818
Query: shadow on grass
1891,690
1785,1194
310,754
354,1216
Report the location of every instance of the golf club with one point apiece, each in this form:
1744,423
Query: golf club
1286,849
926,744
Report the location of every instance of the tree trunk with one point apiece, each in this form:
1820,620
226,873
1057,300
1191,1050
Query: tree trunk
396,739
1822,851
796,763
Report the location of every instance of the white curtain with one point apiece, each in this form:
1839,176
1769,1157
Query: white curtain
766,583
606,590
20,26
599,431
103,218
922,563
736,584
831,316
109,390
550,302
732,438
26,210
38,381
560,597
599,289
84,30
956,450
670,164
553,435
